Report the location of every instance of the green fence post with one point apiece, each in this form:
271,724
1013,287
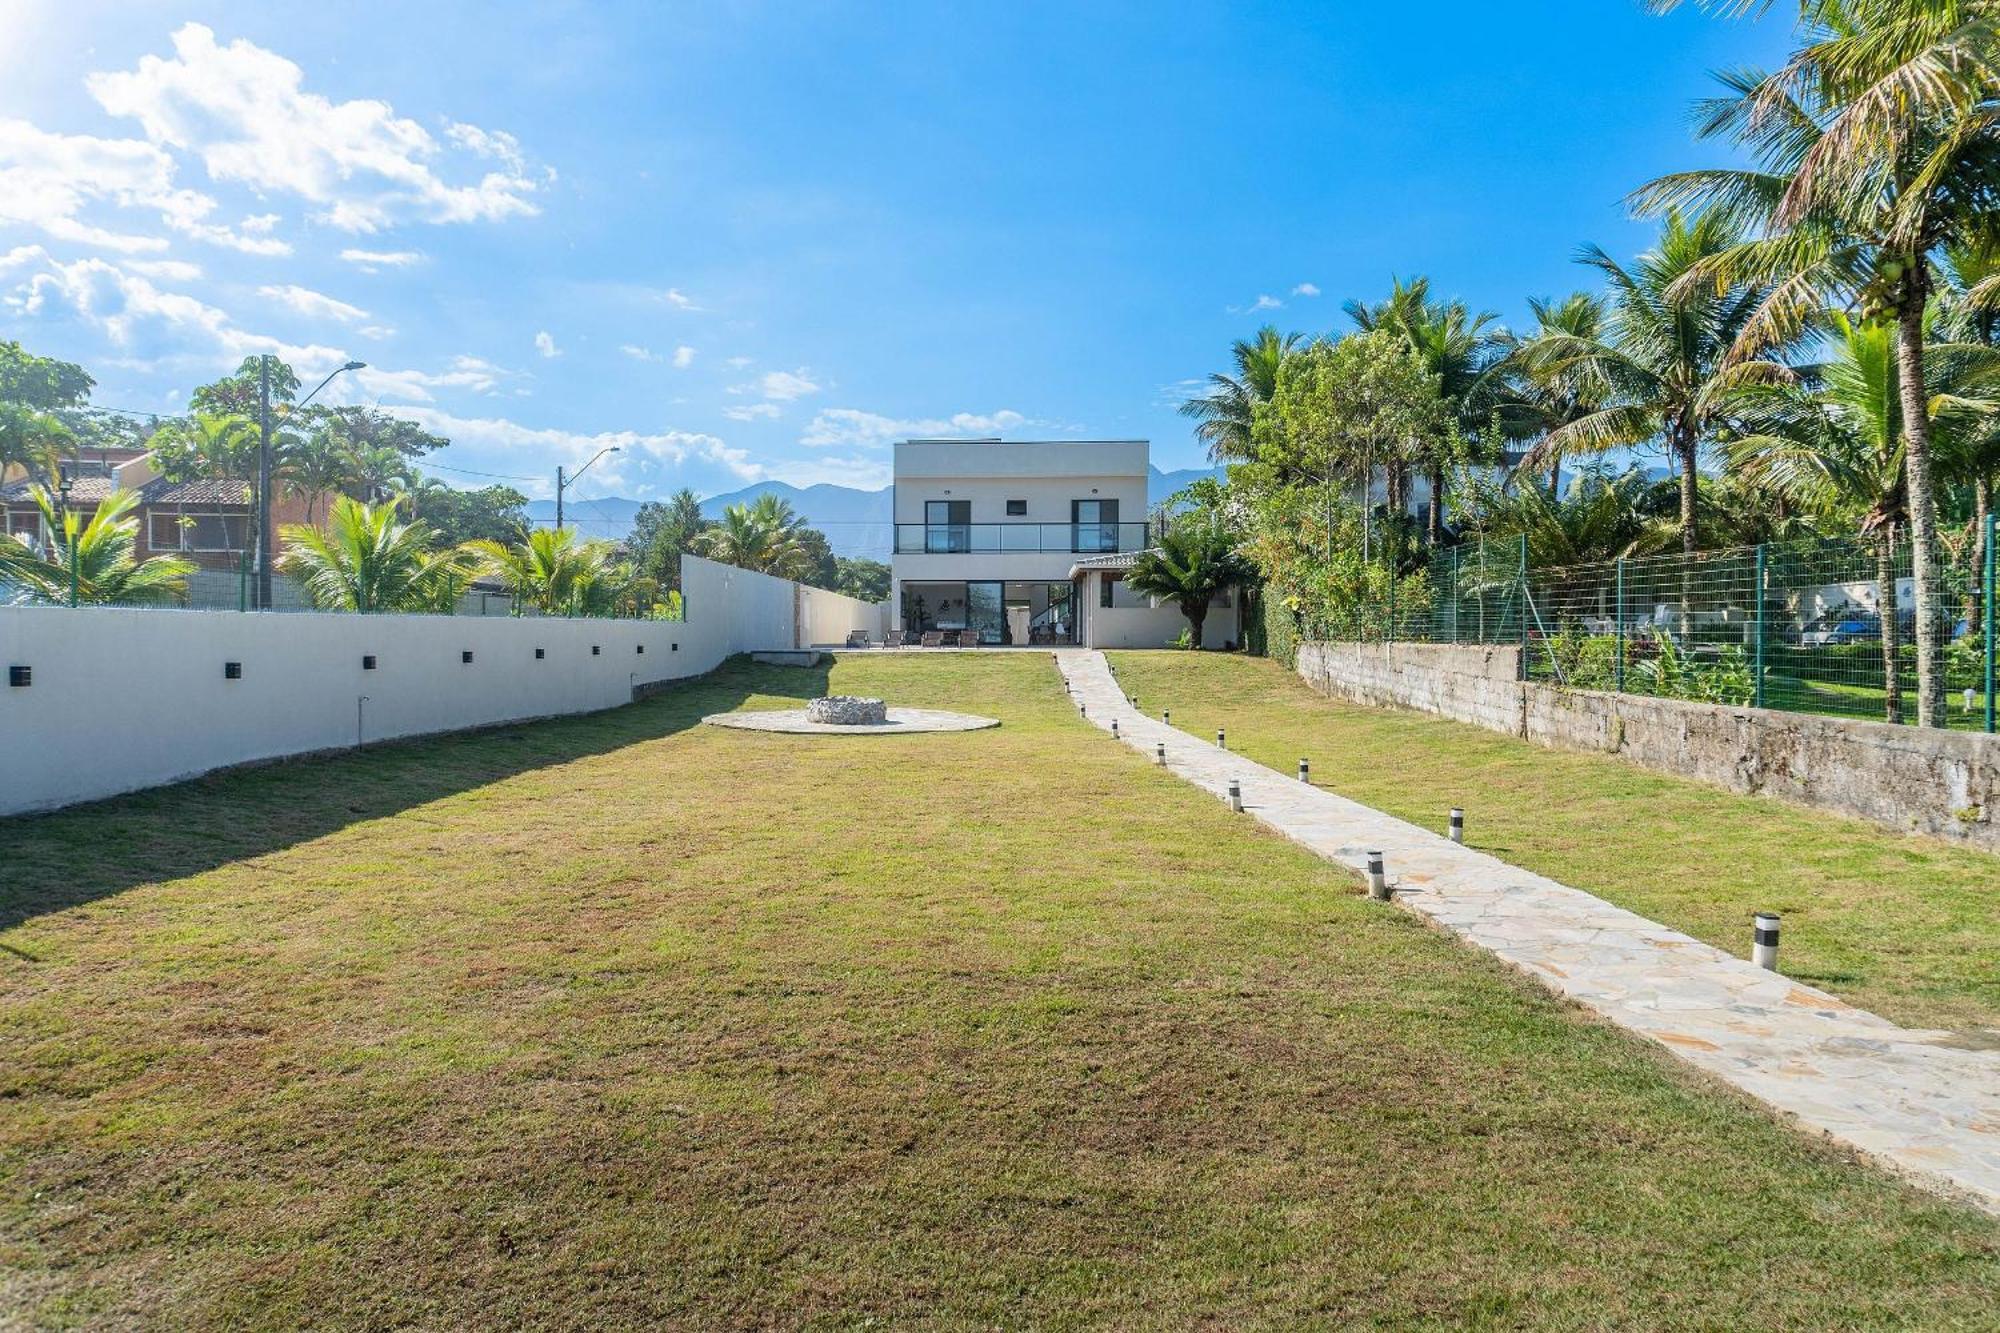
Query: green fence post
1618,665
1757,695
1986,605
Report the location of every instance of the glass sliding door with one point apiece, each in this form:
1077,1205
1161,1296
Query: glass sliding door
1093,525
985,610
947,526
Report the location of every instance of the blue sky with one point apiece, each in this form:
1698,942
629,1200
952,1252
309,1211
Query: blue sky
751,241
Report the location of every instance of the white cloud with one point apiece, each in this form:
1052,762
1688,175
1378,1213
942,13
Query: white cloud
1265,301
678,299
470,373
312,304
752,412
1305,289
245,112
548,446
545,343
376,331
683,357
739,362
638,353
371,260
167,270
785,385
51,182
850,428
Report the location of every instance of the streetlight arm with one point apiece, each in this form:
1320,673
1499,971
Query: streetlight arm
607,449
352,365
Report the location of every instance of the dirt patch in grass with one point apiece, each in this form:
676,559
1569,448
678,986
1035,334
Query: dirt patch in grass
620,1021
1906,926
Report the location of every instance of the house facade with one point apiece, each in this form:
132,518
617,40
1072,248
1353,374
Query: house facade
1026,543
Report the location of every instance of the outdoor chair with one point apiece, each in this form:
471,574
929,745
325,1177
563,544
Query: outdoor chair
933,638
857,638
892,638
968,638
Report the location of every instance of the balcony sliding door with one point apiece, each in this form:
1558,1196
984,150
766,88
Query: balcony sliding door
947,526
1093,526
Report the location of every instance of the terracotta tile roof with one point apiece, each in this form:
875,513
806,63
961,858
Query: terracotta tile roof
84,490
201,491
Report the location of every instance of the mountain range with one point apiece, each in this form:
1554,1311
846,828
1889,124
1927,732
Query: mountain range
857,523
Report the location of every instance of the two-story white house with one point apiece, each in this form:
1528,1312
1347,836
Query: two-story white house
1026,542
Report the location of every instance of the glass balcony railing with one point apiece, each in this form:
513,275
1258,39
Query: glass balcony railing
1023,538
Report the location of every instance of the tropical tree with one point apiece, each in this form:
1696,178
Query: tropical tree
662,533
1545,399
1971,314
1877,148
366,559
1834,441
210,444
1461,350
1666,356
762,535
1602,517
549,570
96,557
32,440
1192,562
1225,416
320,466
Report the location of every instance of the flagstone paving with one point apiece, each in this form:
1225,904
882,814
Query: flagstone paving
1904,1096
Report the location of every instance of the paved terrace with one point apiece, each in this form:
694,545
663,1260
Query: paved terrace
1904,1097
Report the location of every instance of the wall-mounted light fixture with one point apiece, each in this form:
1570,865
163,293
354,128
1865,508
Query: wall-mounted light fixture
368,661
595,650
639,648
20,676
232,671
540,653
673,647
466,656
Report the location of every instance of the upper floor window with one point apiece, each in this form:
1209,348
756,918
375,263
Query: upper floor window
1017,509
198,532
1093,525
947,526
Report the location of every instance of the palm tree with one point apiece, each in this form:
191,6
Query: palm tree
1662,355
1877,148
379,471
1460,349
95,557
365,560
210,444
762,535
33,441
1601,518
320,466
1972,315
549,570
1225,414
1195,560
1549,399
1835,440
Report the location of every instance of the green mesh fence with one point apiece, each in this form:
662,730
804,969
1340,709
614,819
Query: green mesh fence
1824,626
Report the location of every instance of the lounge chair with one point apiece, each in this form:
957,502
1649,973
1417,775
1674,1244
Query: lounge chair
892,638
968,638
857,638
933,638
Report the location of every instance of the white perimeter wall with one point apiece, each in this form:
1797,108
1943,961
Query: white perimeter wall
827,617
125,698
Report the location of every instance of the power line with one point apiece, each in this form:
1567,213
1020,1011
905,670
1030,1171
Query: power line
466,471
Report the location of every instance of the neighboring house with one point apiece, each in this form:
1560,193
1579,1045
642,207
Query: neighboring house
1019,541
207,521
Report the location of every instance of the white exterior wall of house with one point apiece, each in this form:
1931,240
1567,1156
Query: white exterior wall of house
1047,476
1136,621
81,729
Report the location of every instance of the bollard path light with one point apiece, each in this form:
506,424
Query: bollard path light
1114,726
1221,740
1764,941
1305,771
1167,716
1236,796
1378,878
1457,825
1161,751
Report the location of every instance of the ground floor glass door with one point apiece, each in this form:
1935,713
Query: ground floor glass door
985,612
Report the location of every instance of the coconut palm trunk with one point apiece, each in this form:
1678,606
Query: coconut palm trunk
1886,606
1982,508
1924,568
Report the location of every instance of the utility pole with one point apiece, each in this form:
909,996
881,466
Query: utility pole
559,491
569,479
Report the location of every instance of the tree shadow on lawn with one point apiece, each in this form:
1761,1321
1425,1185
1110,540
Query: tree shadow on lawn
64,858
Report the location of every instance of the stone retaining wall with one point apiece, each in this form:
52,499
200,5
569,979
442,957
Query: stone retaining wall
1944,783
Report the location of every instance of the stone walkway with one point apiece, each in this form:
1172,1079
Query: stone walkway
1926,1109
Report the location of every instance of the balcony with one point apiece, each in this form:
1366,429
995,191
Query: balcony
1019,538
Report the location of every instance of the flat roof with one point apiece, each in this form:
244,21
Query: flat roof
994,439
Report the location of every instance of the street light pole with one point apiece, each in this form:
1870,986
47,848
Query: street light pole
264,468
69,537
570,480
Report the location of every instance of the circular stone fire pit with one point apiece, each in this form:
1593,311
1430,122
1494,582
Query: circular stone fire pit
847,710
851,715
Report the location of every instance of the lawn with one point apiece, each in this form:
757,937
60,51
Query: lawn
624,1022
1903,925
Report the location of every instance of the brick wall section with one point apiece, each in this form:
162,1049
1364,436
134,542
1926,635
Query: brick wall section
1944,783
